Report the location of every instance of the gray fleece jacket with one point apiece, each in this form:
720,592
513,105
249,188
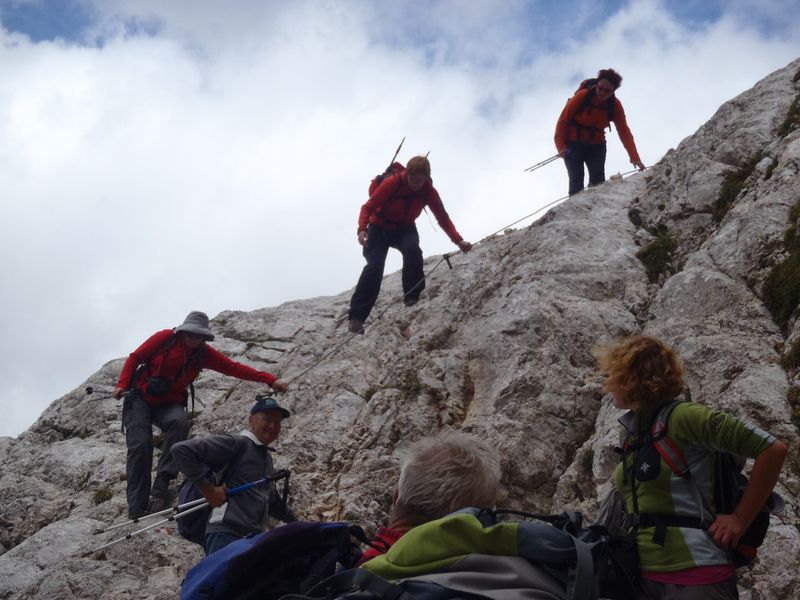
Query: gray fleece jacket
249,460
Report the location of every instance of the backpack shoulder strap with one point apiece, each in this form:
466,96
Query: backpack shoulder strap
665,445
673,455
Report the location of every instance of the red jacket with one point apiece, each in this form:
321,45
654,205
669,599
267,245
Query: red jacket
384,538
393,204
176,364
593,120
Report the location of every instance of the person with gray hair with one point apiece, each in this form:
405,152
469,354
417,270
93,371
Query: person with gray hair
439,475
154,381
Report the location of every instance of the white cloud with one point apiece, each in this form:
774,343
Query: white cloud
220,163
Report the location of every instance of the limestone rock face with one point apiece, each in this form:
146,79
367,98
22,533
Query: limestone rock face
501,345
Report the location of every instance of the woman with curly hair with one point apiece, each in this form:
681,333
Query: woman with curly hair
684,549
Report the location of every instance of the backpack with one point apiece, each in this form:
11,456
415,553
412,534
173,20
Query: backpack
289,559
474,553
393,169
193,525
729,487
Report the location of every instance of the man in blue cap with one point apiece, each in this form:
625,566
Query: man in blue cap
243,458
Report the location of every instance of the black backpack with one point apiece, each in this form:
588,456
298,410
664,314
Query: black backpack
729,486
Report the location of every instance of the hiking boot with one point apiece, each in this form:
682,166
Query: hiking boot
136,513
356,326
410,300
160,495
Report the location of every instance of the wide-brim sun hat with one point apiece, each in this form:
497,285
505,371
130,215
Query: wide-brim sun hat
196,323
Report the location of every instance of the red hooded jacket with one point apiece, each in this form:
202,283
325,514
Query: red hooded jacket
393,204
175,361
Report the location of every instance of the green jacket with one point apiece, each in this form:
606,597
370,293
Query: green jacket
698,431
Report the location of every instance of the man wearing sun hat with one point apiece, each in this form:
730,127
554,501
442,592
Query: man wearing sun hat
242,458
156,377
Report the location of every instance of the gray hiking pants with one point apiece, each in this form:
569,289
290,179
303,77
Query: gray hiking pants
138,418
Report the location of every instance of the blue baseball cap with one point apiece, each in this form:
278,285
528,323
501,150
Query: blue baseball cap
269,403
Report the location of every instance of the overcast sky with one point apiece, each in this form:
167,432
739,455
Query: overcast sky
160,156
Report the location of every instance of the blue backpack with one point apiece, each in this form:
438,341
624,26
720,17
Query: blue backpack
290,559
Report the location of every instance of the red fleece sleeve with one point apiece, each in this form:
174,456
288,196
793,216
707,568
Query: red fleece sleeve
437,208
625,135
216,361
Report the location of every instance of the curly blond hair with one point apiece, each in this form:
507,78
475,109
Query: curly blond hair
644,368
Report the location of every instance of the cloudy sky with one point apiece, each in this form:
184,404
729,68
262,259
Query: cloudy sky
161,156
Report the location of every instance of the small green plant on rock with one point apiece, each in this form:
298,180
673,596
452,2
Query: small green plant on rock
101,495
782,284
732,187
587,460
657,256
793,116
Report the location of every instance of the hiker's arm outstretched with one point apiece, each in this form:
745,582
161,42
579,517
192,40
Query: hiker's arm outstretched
727,529
216,361
625,135
437,208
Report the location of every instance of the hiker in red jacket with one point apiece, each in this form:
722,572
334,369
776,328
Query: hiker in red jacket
387,221
580,132
155,377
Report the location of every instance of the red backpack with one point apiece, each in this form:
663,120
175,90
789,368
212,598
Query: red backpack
393,169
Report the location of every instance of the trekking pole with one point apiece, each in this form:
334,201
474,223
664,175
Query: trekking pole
396,152
195,505
166,511
541,164
91,390
148,528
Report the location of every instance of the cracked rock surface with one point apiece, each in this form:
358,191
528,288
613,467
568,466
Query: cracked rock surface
501,346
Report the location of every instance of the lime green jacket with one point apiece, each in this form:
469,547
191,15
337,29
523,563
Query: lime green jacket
698,431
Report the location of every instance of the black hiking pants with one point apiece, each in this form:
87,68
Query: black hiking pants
379,240
594,155
138,418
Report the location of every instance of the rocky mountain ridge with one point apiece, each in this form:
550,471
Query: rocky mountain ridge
501,345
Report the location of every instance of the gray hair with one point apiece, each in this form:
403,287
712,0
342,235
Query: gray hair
444,473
